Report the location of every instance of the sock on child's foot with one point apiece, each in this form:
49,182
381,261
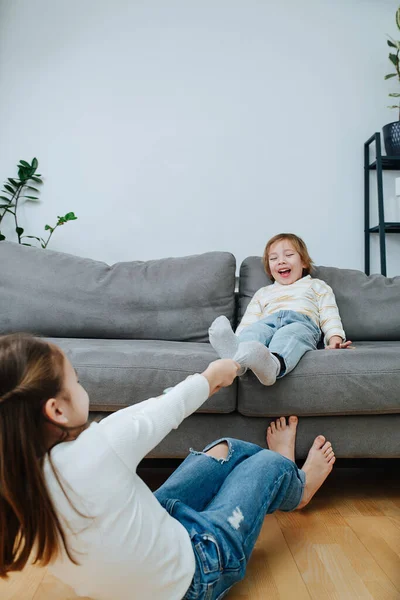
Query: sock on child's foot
255,356
222,338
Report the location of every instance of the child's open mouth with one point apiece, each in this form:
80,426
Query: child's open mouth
284,272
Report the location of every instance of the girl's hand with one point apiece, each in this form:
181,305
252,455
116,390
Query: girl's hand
339,345
221,373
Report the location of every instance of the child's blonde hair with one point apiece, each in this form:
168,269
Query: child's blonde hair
297,244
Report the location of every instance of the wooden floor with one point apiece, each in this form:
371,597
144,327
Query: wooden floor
344,545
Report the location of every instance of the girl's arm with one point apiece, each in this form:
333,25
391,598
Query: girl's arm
254,311
329,318
134,431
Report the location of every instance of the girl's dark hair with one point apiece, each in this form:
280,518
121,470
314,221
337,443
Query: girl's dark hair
31,372
297,244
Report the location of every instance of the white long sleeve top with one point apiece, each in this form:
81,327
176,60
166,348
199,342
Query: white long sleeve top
129,547
311,297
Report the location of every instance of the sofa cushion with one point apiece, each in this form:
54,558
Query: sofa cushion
362,381
119,373
369,305
59,295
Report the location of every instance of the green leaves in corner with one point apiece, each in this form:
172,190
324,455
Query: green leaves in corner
13,189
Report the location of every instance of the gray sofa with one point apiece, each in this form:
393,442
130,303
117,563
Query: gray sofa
135,328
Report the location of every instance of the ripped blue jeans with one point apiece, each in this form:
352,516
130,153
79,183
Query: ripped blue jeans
287,333
222,504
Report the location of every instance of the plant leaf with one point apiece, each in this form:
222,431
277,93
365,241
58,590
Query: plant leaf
25,164
9,188
35,163
395,43
390,43
394,106
19,231
394,95
70,216
33,237
390,75
6,205
37,179
2,237
30,187
13,181
48,228
24,174
398,18
5,198
394,59
30,197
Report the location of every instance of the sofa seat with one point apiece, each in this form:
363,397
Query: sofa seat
363,381
119,373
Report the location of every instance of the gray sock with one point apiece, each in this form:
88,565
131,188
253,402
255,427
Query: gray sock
255,356
222,338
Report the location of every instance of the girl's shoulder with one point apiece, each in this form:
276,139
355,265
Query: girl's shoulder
320,284
265,290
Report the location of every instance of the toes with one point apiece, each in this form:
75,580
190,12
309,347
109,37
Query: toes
269,430
319,442
332,460
326,447
282,422
293,420
272,426
330,455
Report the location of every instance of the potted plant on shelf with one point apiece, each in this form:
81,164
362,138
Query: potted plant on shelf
391,131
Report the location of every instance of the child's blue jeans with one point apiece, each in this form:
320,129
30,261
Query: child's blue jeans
222,504
287,333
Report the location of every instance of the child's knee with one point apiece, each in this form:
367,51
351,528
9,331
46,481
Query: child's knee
219,451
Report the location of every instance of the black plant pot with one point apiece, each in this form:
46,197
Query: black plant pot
391,137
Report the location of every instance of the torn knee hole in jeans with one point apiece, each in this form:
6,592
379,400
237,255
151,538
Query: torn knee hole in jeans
220,460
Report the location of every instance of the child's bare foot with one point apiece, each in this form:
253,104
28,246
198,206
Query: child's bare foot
281,437
317,467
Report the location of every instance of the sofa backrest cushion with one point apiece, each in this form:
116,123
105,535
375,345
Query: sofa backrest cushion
56,294
369,305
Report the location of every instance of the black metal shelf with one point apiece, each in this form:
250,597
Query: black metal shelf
380,164
388,228
389,163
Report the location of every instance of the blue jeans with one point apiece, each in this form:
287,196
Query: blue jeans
287,333
222,504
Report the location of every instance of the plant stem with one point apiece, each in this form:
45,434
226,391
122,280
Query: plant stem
398,71
51,233
5,210
22,185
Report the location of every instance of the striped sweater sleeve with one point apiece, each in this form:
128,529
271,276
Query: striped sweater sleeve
330,321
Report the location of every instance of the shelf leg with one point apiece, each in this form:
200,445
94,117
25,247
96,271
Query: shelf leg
366,211
382,242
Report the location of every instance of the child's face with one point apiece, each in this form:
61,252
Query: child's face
285,262
79,399
71,412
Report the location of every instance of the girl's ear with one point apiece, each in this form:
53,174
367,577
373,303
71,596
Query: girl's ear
53,410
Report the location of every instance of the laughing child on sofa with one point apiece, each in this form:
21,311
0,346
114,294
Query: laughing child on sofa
285,320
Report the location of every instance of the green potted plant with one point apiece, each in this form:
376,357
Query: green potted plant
17,189
391,131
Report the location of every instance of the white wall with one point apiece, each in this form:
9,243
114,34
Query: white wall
182,126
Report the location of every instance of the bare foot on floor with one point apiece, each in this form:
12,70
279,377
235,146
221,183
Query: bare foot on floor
282,437
317,467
